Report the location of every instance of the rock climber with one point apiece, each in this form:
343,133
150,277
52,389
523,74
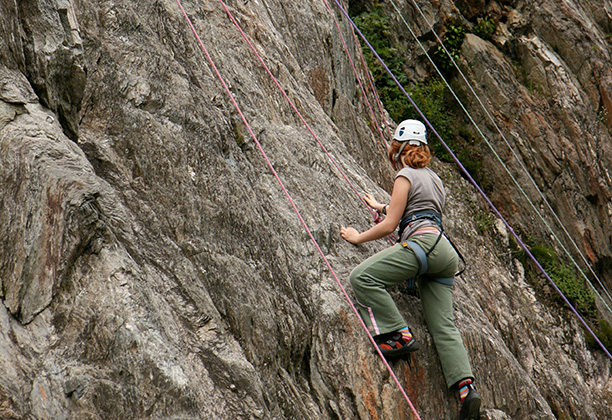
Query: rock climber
423,252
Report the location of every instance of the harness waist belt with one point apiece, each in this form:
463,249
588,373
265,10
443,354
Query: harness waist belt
425,214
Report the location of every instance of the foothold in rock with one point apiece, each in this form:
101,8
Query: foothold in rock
203,320
75,387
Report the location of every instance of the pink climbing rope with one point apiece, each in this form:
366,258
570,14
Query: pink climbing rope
370,80
286,192
377,218
363,91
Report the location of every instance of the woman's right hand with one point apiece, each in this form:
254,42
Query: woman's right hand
371,201
350,234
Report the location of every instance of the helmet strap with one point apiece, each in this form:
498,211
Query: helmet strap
396,157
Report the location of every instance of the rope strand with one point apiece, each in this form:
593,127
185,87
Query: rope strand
356,75
377,218
293,205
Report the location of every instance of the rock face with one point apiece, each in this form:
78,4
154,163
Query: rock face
152,267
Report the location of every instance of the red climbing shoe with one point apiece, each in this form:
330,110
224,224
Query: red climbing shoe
396,345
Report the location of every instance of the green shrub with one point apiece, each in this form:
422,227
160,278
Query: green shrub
428,96
565,277
484,221
603,333
485,28
452,40
573,287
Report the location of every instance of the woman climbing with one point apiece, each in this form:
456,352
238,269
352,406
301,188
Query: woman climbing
423,252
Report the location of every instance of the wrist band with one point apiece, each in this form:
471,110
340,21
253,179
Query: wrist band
384,209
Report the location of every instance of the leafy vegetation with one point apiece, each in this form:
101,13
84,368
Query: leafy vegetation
453,38
572,286
564,276
603,333
429,96
485,28
484,221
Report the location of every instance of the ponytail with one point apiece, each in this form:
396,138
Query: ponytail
413,156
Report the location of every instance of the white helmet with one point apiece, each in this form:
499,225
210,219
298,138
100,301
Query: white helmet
412,131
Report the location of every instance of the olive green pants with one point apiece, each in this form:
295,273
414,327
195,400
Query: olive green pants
398,264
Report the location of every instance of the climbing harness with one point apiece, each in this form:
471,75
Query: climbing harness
432,215
423,255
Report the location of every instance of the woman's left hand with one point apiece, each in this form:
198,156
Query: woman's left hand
350,234
371,201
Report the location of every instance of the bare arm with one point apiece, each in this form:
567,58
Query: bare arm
395,210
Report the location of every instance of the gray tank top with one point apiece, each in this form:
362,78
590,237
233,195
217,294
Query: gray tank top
426,193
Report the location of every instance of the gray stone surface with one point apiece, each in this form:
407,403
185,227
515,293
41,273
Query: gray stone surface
151,266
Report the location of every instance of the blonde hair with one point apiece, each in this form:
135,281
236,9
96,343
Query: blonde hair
413,156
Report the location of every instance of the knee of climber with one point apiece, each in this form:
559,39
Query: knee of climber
360,281
445,332
355,277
